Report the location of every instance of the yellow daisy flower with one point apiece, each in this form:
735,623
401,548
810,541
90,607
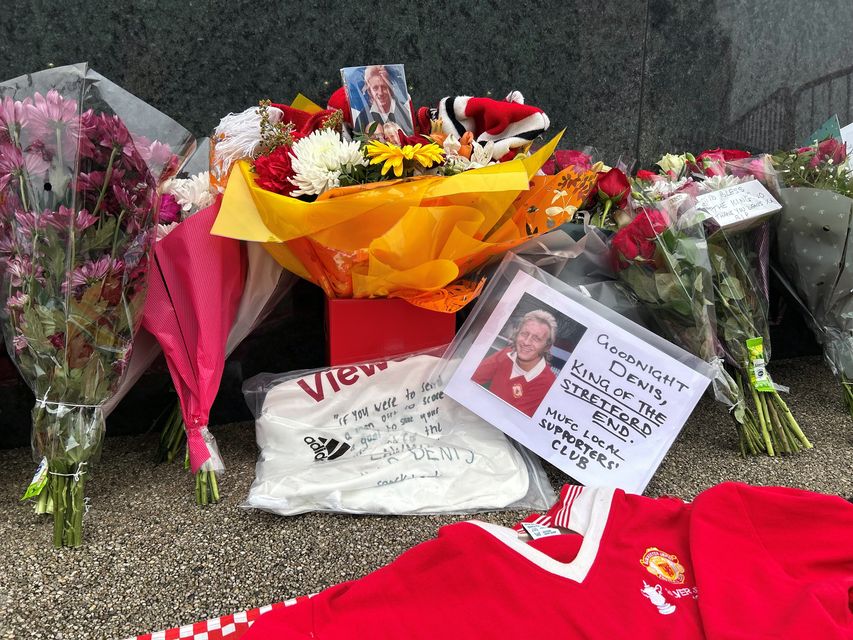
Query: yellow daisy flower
394,156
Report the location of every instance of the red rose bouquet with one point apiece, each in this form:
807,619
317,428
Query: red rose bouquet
738,258
662,257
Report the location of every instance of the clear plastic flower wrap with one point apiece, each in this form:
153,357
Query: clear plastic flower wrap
663,259
80,163
815,262
379,437
713,276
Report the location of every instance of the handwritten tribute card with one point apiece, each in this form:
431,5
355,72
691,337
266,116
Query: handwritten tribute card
616,394
739,205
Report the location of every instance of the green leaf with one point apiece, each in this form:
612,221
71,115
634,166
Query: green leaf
686,249
731,288
641,282
33,328
668,286
99,239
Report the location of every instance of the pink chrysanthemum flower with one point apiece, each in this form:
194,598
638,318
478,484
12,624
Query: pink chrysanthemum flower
21,269
11,116
170,210
62,218
159,157
8,248
52,115
94,272
17,164
20,343
92,181
18,300
28,223
110,132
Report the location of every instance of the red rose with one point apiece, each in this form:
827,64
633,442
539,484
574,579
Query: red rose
735,154
711,163
652,222
829,150
614,186
274,171
636,241
647,176
630,248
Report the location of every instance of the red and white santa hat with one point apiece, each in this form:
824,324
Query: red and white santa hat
509,123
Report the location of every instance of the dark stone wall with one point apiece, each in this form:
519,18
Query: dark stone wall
632,78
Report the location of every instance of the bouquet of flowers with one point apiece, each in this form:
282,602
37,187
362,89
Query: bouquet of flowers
180,197
369,218
661,256
738,257
813,240
80,164
206,295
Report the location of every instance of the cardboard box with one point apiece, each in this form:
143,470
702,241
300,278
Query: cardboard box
358,330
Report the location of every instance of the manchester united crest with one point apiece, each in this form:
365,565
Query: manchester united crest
517,391
663,565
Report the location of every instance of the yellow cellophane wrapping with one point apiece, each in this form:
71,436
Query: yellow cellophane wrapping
402,238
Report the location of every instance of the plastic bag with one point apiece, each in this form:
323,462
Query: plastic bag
79,216
379,437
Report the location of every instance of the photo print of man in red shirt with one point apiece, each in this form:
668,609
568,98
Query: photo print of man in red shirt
519,374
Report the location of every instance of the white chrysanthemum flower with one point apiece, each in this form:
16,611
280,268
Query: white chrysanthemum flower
320,158
165,229
193,193
661,189
715,183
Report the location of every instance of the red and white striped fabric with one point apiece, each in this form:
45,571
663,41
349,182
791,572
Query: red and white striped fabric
228,627
509,124
558,515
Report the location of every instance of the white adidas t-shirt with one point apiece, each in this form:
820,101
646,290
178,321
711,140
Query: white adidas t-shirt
379,438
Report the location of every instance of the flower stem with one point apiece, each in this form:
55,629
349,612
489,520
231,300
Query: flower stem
172,436
847,390
115,234
792,423
44,504
108,174
206,487
782,441
765,433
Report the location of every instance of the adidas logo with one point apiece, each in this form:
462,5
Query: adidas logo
326,448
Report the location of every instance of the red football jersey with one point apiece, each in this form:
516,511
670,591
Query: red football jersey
739,562
525,395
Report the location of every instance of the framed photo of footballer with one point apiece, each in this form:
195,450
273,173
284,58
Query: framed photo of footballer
528,353
588,390
379,100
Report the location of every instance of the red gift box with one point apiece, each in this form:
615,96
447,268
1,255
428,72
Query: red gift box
358,330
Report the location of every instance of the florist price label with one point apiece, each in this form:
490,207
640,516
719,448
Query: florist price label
739,203
608,398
